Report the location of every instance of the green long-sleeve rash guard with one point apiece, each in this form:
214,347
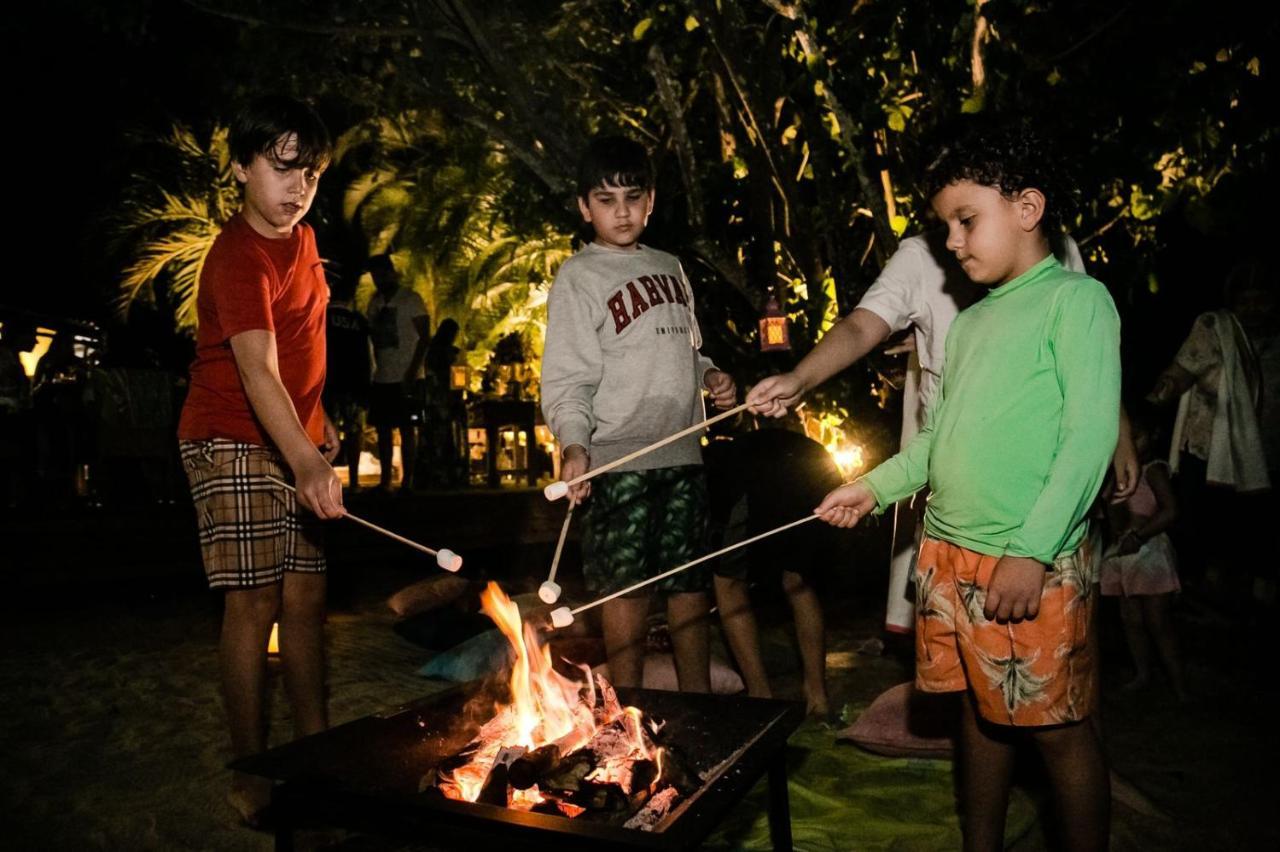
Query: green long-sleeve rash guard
1020,437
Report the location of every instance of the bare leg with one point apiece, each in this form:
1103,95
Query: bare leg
386,452
740,631
352,443
408,454
302,650
624,634
1135,632
986,766
1081,787
1155,611
687,618
246,626
810,635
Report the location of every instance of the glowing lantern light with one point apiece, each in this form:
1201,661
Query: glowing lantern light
774,334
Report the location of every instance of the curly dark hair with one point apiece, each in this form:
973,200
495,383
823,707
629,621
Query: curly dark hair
1009,156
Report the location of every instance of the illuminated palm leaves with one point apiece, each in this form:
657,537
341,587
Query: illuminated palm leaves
440,207
168,223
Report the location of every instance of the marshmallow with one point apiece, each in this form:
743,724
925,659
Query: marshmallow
556,490
549,592
448,560
561,617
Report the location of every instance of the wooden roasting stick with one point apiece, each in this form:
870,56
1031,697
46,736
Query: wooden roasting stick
445,558
563,616
549,591
556,490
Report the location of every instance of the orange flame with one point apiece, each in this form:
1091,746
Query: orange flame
545,707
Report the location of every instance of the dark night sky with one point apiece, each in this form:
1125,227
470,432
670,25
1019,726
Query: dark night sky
82,75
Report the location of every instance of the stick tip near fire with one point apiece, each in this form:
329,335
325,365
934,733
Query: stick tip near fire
448,560
549,592
561,617
556,490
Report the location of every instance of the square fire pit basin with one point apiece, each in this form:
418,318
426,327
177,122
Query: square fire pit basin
365,775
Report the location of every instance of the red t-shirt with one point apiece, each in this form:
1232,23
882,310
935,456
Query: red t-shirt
251,282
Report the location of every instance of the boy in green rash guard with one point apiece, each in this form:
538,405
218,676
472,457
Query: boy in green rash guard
1014,451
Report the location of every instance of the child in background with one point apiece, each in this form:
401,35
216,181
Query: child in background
1140,565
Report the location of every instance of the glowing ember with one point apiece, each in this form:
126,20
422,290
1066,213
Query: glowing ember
548,709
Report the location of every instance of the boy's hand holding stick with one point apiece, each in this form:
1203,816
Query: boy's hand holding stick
847,505
445,558
568,483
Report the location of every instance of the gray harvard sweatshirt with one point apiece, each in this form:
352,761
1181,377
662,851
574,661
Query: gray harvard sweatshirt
621,367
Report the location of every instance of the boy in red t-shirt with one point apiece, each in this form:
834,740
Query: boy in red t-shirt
253,411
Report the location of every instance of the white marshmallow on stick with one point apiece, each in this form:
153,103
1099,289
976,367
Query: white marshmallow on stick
445,558
549,591
556,490
564,616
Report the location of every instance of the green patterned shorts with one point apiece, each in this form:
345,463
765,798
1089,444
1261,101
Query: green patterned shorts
640,523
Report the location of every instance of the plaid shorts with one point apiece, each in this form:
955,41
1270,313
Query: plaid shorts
251,530
640,523
1039,671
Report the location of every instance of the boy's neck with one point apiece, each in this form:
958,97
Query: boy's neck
262,227
1032,252
635,246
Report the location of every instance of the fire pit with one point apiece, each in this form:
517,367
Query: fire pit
545,762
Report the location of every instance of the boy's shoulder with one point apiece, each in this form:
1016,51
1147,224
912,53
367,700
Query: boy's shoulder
1074,288
591,256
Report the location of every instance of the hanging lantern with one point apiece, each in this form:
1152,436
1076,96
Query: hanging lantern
774,335
458,376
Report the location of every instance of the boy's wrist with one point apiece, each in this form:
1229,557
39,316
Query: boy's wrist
801,375
573,451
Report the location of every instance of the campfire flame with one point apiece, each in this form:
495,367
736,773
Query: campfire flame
546,707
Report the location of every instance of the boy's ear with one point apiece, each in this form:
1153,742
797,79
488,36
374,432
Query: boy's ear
1030,203
241,172
584,209
648,210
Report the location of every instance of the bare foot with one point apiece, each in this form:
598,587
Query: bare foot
815,703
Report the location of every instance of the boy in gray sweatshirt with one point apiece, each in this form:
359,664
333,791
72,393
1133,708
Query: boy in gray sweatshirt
620,370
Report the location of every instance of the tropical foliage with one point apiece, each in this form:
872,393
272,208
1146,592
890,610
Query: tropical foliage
788,135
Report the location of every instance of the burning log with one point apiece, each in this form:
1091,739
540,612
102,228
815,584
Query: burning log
495,790
654,810
601,797
528,769
569,774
